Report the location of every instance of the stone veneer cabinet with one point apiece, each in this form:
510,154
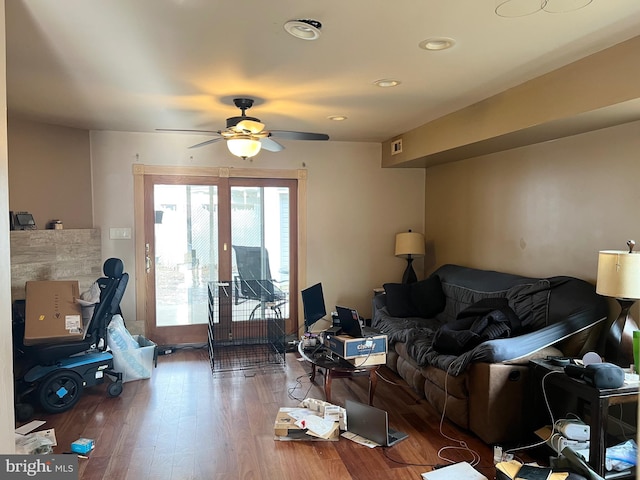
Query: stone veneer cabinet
54,255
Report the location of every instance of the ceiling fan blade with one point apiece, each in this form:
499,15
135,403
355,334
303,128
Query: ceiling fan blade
249,126
176,130
208,142
271,145
298,135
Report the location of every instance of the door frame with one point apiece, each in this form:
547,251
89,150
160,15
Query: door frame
141,277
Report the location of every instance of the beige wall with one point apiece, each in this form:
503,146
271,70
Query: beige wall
6,349
355,208
50,173
541,210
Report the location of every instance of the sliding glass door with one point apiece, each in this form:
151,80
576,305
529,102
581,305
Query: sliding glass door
230,239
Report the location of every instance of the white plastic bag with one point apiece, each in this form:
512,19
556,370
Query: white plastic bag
88,301
118,337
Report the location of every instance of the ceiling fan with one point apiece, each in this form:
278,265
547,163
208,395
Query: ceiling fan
246,136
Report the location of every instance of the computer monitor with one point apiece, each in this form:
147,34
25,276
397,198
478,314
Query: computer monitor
313,305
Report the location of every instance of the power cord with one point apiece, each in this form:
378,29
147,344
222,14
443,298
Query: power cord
553,422
462,445
298,385
368,342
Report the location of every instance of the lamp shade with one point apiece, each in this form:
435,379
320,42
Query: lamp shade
244,147
618,274
409,243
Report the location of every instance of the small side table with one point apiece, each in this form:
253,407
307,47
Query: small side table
337,367
599,400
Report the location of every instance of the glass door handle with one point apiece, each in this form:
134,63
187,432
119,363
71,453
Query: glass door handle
147,258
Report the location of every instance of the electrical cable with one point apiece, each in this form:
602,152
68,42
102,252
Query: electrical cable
297,385
364,362
553,422
462,445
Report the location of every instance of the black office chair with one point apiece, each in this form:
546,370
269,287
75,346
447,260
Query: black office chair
59,372
254,281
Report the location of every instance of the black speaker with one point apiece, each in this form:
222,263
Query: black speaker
599,375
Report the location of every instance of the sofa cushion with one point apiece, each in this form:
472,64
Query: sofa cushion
427,297
399,300
423,299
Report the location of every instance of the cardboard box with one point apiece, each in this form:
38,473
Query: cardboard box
136,363
348,347
373,359
52,314
285,429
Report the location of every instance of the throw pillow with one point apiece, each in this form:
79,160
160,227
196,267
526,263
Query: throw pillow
424,299
399,302
427,297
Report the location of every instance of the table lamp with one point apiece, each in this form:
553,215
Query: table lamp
409,245
619,277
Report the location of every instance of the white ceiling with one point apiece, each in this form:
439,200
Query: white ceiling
138,65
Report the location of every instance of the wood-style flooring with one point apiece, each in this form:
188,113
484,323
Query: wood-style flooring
185,423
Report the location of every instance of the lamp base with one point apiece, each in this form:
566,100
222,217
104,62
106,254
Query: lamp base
409,275
619,340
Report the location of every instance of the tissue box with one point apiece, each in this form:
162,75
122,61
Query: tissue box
83,445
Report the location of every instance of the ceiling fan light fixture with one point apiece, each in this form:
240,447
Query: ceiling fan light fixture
244,147
303,29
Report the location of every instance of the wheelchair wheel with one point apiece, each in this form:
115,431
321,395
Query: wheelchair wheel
60,391
114,389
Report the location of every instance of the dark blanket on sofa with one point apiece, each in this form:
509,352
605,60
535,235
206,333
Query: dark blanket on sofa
546,319
487,319
417,334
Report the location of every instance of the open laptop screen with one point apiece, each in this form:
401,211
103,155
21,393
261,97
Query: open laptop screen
349,321
313,305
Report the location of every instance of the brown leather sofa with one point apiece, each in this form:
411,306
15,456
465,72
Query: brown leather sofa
485,389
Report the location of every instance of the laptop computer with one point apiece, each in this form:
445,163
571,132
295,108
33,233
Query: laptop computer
349,321
371,423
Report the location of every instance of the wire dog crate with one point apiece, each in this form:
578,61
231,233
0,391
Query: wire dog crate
245,331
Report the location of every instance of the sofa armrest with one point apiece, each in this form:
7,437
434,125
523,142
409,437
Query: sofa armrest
514,348
379,301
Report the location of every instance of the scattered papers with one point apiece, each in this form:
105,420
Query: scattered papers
316,426
456,471
511,469
29,427
326,410
360,440
41,442
312,420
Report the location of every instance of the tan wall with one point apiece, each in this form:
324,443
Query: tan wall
355,208
541,210
50,173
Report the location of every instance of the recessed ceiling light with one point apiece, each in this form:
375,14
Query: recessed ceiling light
337,118
386,83
303,29
439,43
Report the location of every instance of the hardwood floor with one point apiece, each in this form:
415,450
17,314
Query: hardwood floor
185,423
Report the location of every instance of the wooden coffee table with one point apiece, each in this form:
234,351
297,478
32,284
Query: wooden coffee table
336,367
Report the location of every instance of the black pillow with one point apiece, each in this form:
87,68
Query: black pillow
427,297
399,302
424,299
